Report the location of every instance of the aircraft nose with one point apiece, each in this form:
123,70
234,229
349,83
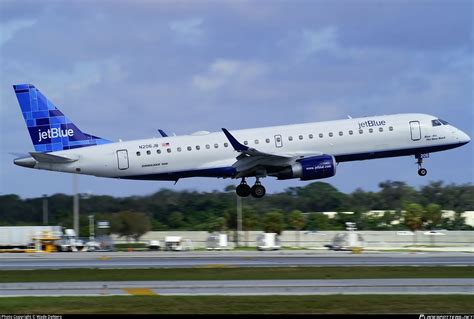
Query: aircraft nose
463,137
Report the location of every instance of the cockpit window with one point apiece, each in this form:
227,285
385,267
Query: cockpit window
439,122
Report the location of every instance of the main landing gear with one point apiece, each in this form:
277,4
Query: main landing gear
419,160
244,190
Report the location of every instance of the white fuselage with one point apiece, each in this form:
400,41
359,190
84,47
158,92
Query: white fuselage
211,154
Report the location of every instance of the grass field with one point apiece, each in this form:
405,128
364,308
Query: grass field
219,273
240,304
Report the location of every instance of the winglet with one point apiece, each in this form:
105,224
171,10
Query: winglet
235,144
163,134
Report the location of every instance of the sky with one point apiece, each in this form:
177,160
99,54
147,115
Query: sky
123,69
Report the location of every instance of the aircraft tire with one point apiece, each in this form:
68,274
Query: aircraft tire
422,172
243,190
258,191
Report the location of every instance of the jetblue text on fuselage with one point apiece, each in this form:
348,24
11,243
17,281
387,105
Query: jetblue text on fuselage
371,123
54,132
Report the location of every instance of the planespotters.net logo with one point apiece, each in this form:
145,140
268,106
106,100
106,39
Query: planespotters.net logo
53,133
435,316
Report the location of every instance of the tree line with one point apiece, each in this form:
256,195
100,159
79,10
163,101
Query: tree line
296,208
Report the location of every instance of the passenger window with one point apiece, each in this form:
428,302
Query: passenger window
246,143
351,132
216,145
198,147
158,151
148,152
189,148
330,134
290,138
371,130
321,135
310,136
380,129
340,133
256,141
168,150
208,146
390,128
361,131
300,137
267,140
138,154
226,144
179,149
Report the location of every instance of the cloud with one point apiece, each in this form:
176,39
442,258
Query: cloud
187,31
314,41
10,28
223,72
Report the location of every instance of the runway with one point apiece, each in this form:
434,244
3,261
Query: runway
242,287
229,259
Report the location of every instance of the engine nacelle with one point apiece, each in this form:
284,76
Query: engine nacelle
315,167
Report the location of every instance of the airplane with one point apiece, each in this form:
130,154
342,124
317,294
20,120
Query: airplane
306,151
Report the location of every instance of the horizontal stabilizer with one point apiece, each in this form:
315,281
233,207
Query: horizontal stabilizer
50,158
19,154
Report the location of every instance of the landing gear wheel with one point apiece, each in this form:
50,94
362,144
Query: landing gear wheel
419,160
422,172
258,191
243,190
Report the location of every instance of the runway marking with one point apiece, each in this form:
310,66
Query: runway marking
140,291
104,258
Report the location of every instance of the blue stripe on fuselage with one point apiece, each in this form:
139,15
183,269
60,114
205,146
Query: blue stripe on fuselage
173,176
395,153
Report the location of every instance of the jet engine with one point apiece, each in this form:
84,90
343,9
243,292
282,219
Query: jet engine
309,168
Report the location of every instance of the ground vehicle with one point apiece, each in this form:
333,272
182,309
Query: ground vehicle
217,241
69,242
177,243
268,241
154,245
21,237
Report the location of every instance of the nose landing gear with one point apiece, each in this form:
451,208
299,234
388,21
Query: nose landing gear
419,160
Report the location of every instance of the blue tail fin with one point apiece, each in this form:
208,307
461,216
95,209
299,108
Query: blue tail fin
49,128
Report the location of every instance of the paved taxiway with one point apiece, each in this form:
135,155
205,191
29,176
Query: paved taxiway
230,259
243,287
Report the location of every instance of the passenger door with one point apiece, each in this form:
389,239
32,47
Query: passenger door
415,130
122,159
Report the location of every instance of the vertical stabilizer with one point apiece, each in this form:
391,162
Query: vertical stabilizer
50,130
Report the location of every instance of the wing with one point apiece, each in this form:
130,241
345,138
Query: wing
252,162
